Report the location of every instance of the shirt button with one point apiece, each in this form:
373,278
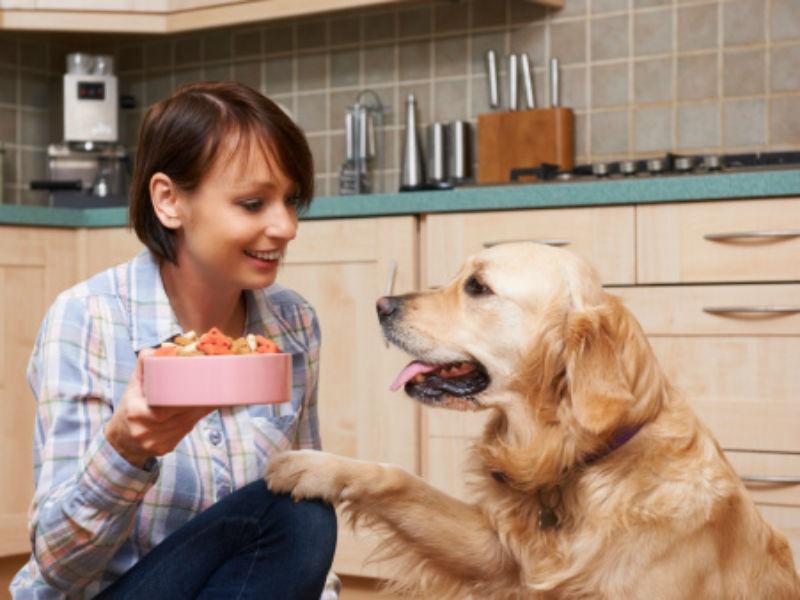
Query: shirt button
223,491
214,436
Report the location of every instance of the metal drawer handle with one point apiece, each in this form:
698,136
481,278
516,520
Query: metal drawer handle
779,479
769,234
547,242
776,310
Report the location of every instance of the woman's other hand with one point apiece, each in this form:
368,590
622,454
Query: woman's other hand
139,431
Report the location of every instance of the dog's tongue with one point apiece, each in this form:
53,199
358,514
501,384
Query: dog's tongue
413,369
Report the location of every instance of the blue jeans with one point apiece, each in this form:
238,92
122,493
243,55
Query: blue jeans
251,544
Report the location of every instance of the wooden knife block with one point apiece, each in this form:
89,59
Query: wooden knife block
524,138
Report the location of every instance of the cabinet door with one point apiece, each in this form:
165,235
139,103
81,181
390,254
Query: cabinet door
35,265
342,267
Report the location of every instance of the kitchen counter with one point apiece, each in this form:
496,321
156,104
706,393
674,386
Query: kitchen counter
640,190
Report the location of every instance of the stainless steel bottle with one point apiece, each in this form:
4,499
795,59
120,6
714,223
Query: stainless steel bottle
412,169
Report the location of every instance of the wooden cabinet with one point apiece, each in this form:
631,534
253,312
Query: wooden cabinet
342,267
166,16
35,265
732,347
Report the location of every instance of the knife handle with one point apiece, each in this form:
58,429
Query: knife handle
491,74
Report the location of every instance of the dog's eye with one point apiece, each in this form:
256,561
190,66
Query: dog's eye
474,287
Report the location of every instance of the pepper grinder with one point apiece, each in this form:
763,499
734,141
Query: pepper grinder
412,170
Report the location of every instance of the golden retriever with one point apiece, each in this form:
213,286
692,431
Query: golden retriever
593,478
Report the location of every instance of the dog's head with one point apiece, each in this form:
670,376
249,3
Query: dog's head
522,327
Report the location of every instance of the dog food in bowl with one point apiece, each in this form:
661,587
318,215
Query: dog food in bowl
216,370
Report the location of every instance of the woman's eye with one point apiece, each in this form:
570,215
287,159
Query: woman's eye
474,287
252,205
293,201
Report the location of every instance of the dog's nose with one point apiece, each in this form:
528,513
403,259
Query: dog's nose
387,306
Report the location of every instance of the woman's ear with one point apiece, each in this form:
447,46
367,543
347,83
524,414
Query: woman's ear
164,196
598,389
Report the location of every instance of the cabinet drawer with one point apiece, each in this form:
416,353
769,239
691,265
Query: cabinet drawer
747,389
604,235
751,240
767,309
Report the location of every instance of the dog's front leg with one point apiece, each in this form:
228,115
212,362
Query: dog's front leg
447,534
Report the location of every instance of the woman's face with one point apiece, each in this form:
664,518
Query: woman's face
236,225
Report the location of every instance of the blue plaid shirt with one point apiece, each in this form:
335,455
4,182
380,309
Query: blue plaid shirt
94,515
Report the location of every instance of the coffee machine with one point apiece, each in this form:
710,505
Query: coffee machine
90,168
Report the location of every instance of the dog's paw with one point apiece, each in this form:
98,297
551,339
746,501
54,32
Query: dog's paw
305,474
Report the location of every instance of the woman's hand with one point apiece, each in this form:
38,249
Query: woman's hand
139,431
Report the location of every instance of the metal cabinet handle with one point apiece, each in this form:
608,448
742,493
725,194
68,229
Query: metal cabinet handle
547,242
768,234
779,479
777,310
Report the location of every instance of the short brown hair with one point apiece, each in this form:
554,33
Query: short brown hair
182,135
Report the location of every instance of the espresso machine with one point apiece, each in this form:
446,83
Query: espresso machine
89,168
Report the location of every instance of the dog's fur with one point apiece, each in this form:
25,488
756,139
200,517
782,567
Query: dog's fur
662,516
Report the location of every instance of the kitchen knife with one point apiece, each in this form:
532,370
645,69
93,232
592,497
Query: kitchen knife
491,76
555,97
513,82
527,80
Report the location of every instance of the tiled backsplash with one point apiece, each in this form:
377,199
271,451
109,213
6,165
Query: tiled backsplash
644,76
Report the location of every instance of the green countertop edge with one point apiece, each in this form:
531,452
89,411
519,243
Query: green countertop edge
688,188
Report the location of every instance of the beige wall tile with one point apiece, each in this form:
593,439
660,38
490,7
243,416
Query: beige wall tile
345,68
35,127
34,89
652,32
450,56
743,72
8,125
312,112
524,11
698,126
345,31
379,65
8,85
450,16
784,124
415,60
610,85
610,37
531,39
216,46
312,71
312,35
743,22
785,68
279,75
188,50
652,80
450,100
653,129
488,13
279,39
697,27
604,6
482,42
247,43
697,76
415,21
247,72
573,88
609,133
568,41
785,22
380,26
744,123
572,8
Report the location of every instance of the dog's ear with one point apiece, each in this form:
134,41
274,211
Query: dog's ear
598,389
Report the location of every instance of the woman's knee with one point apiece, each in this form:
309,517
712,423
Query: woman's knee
317,520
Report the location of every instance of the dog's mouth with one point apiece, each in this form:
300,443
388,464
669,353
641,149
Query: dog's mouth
449,385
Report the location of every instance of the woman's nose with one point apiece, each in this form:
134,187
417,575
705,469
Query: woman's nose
281,222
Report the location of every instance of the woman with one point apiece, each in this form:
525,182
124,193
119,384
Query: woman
141,502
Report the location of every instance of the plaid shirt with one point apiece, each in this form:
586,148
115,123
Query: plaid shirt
94,515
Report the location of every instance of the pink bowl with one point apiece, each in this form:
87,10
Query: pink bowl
218,380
